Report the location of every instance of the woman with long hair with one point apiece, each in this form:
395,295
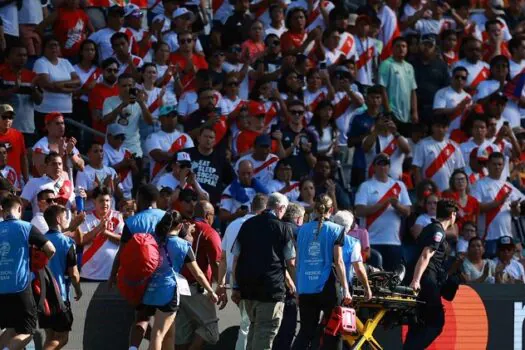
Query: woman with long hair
459,191
324,129
290,86
162,296
282,181
319,246
430,205
307,197
318,88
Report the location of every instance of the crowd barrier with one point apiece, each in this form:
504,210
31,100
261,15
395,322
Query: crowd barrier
481,316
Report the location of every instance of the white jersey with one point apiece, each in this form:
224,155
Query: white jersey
244,85
449,98
315,19
477,72
344,112
332,57
230,235
432,26
98,256
9,173
62,187
263,171
188,102
383,226
40,223
481,34
389,145
516,68
291,191
468,146
311,100
231,204
498,221
42,146
437,160
514,269
102,38
113,156
90,178
156,99
124,67
347,45
166,142
172,39
389,29
366,53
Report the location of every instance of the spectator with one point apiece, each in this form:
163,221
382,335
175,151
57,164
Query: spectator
156,98
18,88
517,55
30,14
163,145
508,269
449,42
307,196
324,128
296,40
361,126
282,181
208,164
181,177
254,45
495,44
263,161
102,90
384,138
476,68
366,52
197,321
436,157
166,73
14,142
115,21
430,205
215,65
54,178
56,142
96,175
189,100
381,203
182,21
318,89
259,286
45,199
237,197
237,26
514,15
162,16
127,109
468,231
325,183
128,63
58,79
187,61
478,131
499,201
19,313
460,192
298,144
144,39
397,78
6,171
64,267
276,25
10,30
475,268
254,130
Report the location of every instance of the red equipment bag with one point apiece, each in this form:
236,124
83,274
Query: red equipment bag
342,320
139,258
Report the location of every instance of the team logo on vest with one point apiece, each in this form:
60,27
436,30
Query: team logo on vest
5,248
314,249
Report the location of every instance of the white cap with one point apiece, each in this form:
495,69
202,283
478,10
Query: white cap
183,157
131,9
182,11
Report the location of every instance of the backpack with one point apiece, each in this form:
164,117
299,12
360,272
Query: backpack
139,259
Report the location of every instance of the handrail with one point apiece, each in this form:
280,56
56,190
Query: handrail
85,127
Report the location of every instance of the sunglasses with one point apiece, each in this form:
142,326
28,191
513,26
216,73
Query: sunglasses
184,165
112,70
232,83
297,112
190,199
8,116
218,54
50,200
119,137
460,77
185,41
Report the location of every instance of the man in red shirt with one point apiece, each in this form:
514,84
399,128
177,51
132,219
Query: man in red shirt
197,321
187,61
101,91
14,141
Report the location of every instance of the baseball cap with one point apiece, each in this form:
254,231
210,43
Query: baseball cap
132,10
263,140
363,18
497,6
352,19
428,39
116,10
182,11
381,158
256,109
167,110
116,129
52,116
5,108
183,157
342,72
506,240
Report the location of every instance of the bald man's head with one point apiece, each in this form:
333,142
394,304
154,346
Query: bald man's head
205,210
245,172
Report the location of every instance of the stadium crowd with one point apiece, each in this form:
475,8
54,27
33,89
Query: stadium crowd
207,122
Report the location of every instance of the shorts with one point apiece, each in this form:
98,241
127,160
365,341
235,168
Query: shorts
19,311
170,307
197,314
61,322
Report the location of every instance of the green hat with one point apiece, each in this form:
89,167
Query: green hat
166,110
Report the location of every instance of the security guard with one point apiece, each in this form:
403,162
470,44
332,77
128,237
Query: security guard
429,276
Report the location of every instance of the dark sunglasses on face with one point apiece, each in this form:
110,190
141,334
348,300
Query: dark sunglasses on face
8,116
112,70
50,200
185,41
190,199
297,112
232,83
218,54
460,77
119,137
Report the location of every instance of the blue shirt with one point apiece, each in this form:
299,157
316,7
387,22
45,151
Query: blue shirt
316,255
163,284
14,256
142,222
58,263
352,248
361,125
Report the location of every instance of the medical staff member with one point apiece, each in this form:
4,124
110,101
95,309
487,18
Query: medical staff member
319,245
18,314
162,296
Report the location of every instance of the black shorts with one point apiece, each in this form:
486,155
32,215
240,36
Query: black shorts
172,306
60,322
18,311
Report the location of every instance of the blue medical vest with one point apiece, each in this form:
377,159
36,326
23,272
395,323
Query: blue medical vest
145,221
316,255
162,285
14,256
58,263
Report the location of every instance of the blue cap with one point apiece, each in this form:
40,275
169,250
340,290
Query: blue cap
263,140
